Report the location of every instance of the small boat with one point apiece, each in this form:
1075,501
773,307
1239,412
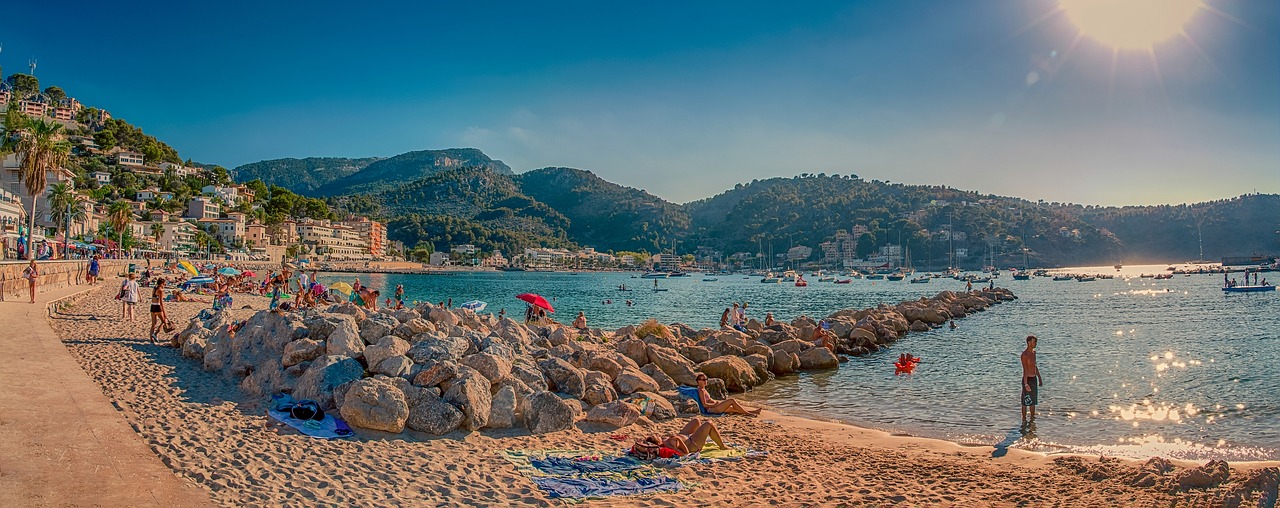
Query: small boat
1248,289
1022,276
876,276
827,278
710,279
660,289
923,279
843,281
655,275
1084,278
801,283
1163,276
789,276
896,276
1063,277
1146,276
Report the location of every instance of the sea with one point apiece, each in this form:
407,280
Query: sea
1132,366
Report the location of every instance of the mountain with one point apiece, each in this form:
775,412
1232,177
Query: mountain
408,167
302,176
605,214
1241,226
469,205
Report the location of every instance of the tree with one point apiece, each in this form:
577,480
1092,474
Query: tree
65,206
24,85
157,229
55,94
40,150
119,215
105,140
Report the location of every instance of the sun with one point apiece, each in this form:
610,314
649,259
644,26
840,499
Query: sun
1130,24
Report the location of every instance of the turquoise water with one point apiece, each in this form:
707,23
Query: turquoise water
1135,367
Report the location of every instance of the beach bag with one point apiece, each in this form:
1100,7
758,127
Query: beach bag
169,326
120,294
306,410
645,450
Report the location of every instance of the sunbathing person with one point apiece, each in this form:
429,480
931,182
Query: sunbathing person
690,439
726,406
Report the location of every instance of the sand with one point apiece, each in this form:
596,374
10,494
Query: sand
204,429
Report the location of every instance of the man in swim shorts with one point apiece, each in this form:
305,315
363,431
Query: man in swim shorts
1031,381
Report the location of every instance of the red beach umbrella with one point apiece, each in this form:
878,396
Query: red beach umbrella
536,301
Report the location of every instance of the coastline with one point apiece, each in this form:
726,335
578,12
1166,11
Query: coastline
205,429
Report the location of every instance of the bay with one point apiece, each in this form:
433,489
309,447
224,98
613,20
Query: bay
1133,366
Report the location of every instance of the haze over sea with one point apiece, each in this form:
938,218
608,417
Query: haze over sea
1132,366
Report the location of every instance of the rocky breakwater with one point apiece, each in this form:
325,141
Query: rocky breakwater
436,370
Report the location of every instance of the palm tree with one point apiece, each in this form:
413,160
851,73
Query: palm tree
65,206
40,151
157,229
119,215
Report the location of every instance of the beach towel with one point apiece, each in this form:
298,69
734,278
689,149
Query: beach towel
692,392
330,427
581,474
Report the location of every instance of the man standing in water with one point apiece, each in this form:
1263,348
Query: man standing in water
1031,381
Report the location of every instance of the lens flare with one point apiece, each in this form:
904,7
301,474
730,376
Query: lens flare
1130,24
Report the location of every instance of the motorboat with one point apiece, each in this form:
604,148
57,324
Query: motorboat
843,281
923,279
655,275
710,279
1086,278
1063,277
1248,289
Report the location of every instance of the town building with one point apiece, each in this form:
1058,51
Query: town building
374,233
799,253
335,241
128,158
102,177
202,207
439,259
11,181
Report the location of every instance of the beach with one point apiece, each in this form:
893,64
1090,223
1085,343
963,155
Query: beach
208,432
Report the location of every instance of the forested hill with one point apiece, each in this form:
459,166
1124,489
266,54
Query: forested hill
408,167
302,176
603,213
1242,226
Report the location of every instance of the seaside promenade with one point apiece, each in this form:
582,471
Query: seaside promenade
62,442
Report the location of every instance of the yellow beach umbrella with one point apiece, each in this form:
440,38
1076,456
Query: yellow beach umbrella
341,287
187,266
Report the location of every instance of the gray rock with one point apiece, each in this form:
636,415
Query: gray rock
374,404
431,414
323,324
436,373
698,354
530,375
301,350
599,389
633,380
470,392
345,340
664,381
324,375
658,407
818,358
563,377
545,412
430,347
376,327
396,366
738,375
417,326
793,346
601,363
385,347
195,343
617,414
635,349
676,366
502,414
759,363
492,367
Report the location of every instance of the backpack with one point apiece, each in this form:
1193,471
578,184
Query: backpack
306,410
645,450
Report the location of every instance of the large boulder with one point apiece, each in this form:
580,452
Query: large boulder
617,414
470,392
738,375
632,380
375,404
376,327
530,375
818,358
561,336
345,340
605,364
635,349
321,325
545,412
434,347
195,343
657,407
409,329
784,362
431,414
563,377
598,389
396,366
324,375
352,310
443,317
674,365
383,348
301,350
793,346
759,363
489,365
698,354
436,373
502,413
664,381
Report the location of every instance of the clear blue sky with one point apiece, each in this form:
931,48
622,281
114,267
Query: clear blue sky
687,99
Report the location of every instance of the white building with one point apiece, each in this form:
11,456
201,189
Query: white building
439,258
465,249
102,177
127,158
799,253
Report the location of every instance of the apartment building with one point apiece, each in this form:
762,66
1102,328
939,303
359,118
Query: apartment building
374,233
332,240
202,207
11,181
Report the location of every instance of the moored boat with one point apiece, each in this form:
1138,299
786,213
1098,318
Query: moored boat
1248,289
923,279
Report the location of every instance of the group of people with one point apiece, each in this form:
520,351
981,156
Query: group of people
1232,282
735,317
129,296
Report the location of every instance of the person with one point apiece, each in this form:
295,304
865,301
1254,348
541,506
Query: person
128,297
991,284
1031,381
400,295
724,318
822,337
581,321
768,319
159,318
629,303
734,319
304,281
528,313
953,324
94,267
742,314
32,274
727,406
502,313
690,439
968,285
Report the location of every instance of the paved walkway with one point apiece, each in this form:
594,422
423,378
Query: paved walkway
62,442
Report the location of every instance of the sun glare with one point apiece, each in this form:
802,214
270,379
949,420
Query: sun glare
1130,24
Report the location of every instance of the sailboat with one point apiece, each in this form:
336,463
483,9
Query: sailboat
1023,274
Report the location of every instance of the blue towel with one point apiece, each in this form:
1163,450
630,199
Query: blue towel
692,392
330,427
598,487
565,466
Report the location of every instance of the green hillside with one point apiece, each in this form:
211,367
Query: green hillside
302,176
408,167
604,214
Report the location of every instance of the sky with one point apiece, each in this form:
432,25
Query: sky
685,100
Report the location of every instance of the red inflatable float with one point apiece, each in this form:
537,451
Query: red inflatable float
906,364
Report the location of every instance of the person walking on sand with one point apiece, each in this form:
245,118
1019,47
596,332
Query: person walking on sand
32,274
129,297
159,318
94,267
1031,381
